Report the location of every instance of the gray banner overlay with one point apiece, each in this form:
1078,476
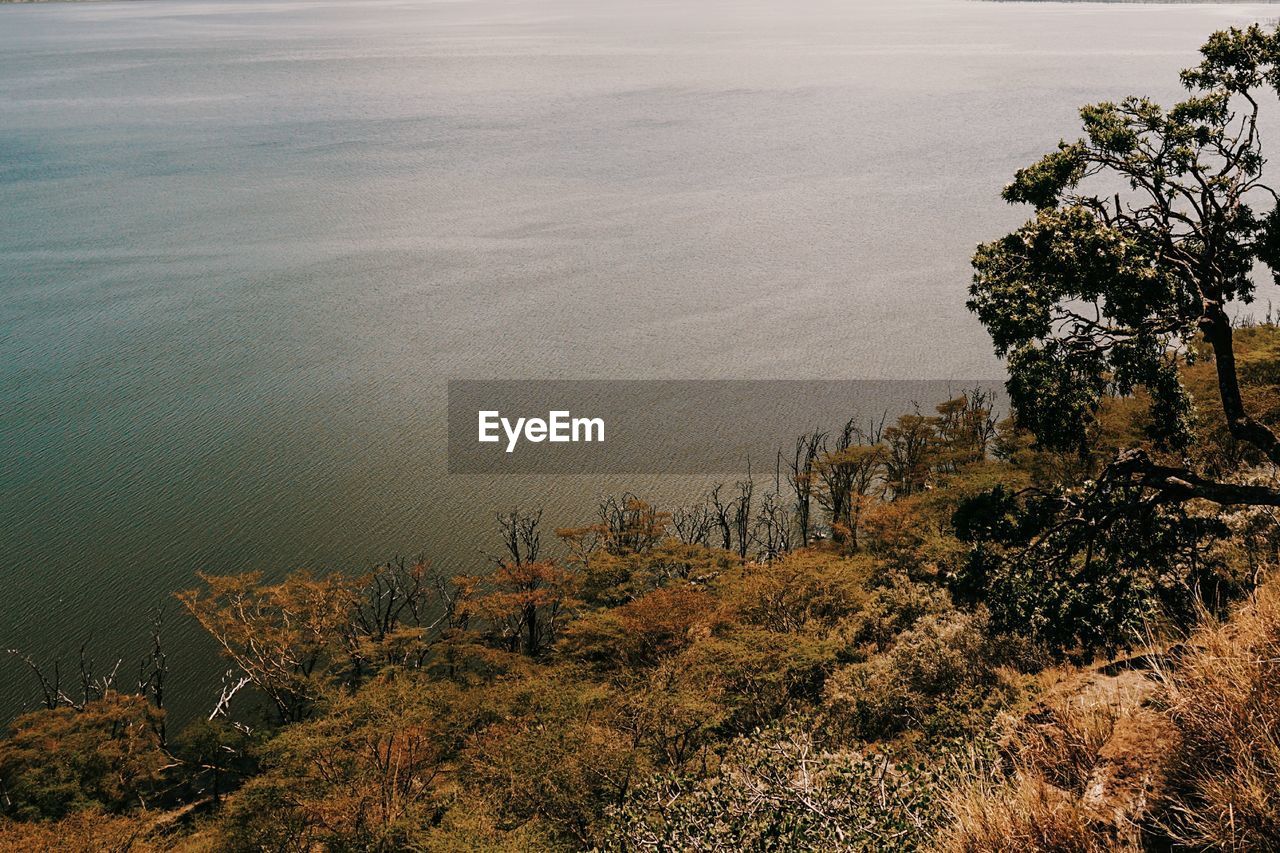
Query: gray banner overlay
666,426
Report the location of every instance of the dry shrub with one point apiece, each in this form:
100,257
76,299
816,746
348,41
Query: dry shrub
939,677
1221,793
1224,696
993,815
87,831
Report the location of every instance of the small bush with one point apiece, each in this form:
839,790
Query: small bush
940,677
775,790
892,607
105,755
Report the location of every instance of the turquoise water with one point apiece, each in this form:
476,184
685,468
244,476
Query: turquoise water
244,244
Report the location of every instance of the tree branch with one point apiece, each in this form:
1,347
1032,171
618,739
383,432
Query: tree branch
1179,484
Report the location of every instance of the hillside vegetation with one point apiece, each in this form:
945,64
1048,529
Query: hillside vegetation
655,689
1057,632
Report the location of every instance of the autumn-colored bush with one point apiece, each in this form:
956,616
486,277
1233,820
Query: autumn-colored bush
644,630
803,591
939,676
363,774
609,578
297,639
553,752
760,673
106,755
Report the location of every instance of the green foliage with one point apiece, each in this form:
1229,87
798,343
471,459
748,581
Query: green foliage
1117,294
1098,293
1236,60
1084,571
1043,183
1024,291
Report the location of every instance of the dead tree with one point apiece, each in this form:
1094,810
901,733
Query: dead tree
807,449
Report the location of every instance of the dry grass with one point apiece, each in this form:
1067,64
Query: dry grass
92,831
1021,815
1224,697
1053,751
1060,742
1219,771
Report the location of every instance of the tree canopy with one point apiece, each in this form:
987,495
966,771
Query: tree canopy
1146,230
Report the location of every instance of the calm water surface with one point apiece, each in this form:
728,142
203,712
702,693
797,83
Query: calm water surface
243,244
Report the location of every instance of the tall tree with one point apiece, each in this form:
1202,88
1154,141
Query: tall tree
1146,229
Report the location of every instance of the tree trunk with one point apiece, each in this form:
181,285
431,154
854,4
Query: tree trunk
531,621
1216,327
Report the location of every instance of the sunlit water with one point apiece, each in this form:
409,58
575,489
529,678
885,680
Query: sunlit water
243,244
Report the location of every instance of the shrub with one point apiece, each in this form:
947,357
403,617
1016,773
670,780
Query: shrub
804,591
775,790
609,578
758,674
58,761
892,607
1082,571
642,631
939,676
360,776
554,754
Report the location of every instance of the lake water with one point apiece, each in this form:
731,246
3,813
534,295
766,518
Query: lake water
243,245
